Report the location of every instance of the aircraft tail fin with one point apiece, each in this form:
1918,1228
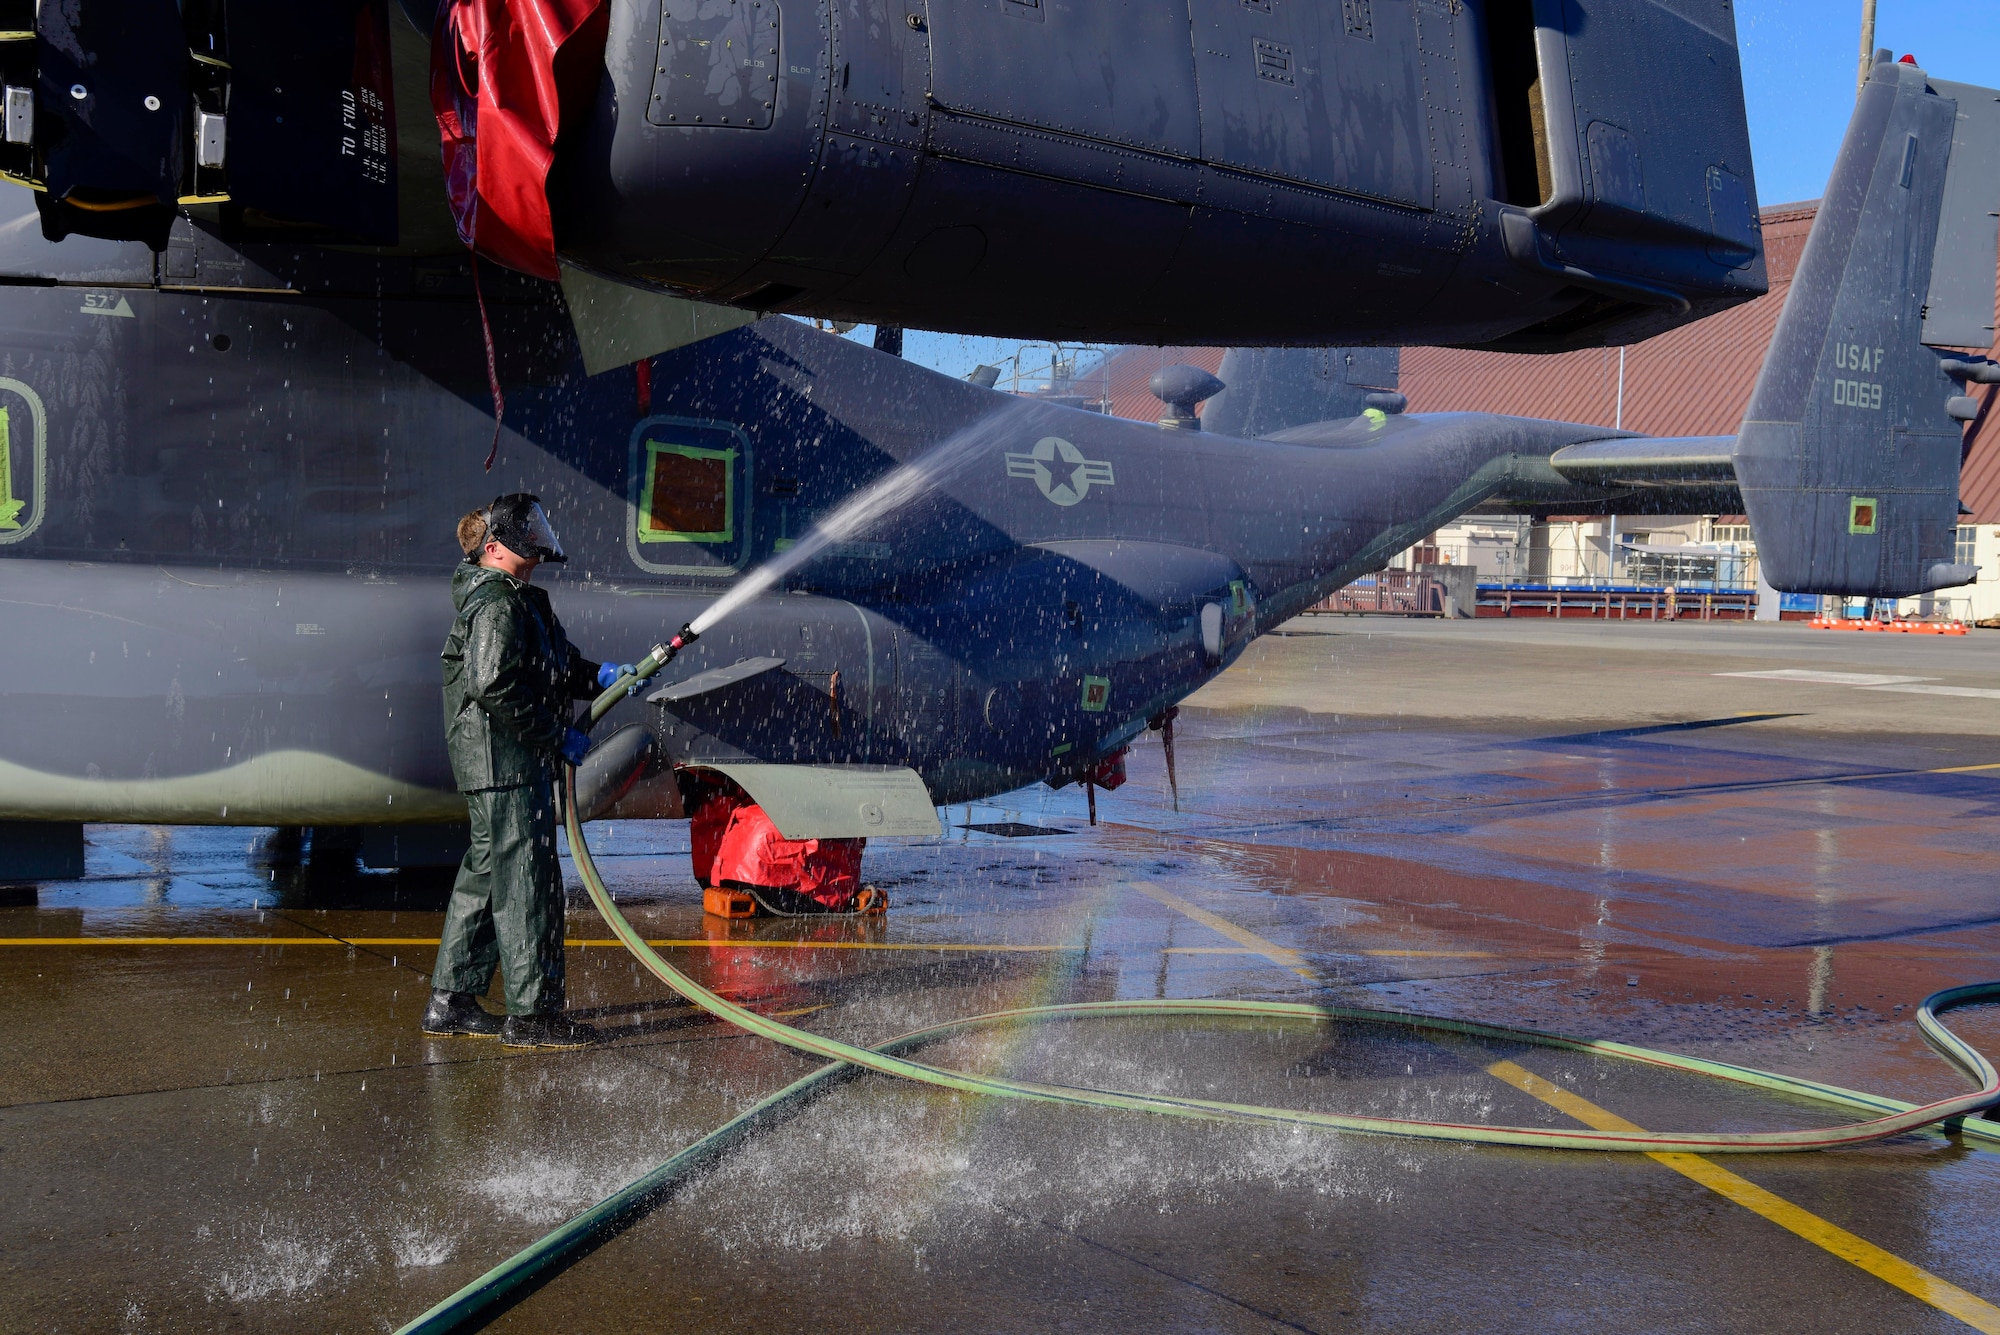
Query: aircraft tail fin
1271,389
1848,458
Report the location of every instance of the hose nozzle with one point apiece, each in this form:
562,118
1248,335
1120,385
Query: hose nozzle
643,671
663,654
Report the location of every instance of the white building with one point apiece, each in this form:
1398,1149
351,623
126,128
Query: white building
1978,544
1690,551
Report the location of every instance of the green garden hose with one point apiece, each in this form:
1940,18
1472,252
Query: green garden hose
1891,1117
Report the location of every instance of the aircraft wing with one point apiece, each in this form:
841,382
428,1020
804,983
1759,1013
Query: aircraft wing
1649,461
1613,474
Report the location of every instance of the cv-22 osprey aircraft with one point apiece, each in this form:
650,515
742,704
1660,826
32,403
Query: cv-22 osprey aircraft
229,521
1522,174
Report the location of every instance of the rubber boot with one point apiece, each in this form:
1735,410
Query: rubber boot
545,1031
460,1014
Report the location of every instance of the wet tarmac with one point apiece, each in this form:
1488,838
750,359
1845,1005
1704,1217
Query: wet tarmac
1603,830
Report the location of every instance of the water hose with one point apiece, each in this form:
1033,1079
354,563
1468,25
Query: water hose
642,671
1891,1117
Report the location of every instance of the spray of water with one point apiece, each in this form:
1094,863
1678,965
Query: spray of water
853,516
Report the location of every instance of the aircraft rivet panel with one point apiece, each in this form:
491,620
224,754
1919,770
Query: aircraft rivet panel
717,65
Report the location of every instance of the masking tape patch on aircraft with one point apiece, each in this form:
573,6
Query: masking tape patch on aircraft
1096,694
24,470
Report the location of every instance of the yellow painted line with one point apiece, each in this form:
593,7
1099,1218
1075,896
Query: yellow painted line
218,941
1885,1266
580,943
1210,950
834,945
1250,943
589,943
690,943
1858,778
1431,954
1270,950
1380,954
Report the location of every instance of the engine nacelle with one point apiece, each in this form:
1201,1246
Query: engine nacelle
1376,171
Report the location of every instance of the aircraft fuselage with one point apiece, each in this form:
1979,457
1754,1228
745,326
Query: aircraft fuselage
226,584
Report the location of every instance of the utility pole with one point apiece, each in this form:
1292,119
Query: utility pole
1619,425
1867,44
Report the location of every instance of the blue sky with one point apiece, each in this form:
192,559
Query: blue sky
1799,62
1799,59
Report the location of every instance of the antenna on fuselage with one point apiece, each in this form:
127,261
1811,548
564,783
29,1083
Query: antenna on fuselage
1182,389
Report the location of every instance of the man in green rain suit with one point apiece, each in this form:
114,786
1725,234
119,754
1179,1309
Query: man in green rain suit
510,675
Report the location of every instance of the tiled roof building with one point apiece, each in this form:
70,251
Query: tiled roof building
1691,381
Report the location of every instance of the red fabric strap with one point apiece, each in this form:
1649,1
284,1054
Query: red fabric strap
502,74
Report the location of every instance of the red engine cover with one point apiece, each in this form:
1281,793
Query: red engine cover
706,827
754,854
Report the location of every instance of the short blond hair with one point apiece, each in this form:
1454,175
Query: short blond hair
472,533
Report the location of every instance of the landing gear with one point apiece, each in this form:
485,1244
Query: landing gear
280,849
1163,724
361,866
32,851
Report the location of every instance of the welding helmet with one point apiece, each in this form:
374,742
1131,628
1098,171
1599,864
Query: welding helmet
518,523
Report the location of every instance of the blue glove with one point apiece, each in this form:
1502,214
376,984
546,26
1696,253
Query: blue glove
608,675
574,746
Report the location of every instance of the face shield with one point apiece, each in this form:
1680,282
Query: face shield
542,538
519,524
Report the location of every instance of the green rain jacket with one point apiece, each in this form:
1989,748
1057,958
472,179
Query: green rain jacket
509,677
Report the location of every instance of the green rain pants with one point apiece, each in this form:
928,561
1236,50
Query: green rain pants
507,905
